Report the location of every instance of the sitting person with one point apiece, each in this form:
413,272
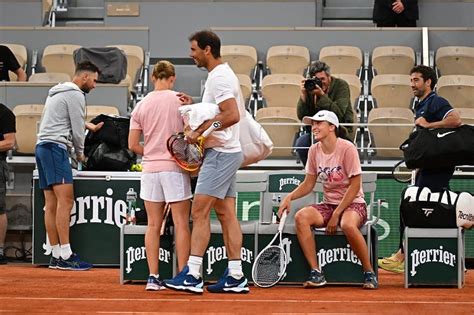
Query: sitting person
335,162
333,95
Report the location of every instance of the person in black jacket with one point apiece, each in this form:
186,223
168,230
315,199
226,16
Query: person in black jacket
391,13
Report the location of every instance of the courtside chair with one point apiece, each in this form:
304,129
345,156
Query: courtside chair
49,77
59,58
385,136
245,85
28,117
287,59
21,55
457,89
393,59
455,60
241,58
281,90
94,110
282,135
392,90
342,59
467,115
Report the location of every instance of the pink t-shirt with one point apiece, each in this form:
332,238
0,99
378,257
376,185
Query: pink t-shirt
334,170
157,116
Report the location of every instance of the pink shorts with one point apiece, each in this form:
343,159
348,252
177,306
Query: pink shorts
326,211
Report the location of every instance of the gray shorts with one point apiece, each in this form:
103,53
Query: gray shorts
218,174
3,185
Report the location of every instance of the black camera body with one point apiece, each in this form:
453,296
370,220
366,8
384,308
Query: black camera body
310,84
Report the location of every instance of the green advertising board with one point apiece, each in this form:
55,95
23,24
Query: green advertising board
133,262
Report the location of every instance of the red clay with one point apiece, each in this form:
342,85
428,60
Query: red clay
30,289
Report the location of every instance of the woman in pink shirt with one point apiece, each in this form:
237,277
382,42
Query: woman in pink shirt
156,117
335,162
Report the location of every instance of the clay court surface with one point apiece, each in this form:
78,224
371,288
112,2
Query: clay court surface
32,289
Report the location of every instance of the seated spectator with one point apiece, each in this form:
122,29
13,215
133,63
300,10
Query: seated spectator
333,95
392,13
8,62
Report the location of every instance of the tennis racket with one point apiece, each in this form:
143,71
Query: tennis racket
270,265
401,173
189,156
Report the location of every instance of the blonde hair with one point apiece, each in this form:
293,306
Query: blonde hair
163,70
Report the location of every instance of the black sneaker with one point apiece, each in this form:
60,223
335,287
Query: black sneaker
316,279
53,263
3,260
370,281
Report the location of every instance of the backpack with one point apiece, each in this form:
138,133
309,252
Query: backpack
111,62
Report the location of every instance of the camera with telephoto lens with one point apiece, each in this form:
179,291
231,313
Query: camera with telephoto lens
311,83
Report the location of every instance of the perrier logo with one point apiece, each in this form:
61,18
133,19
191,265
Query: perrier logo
135,254
421,257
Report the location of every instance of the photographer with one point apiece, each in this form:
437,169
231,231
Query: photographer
322,91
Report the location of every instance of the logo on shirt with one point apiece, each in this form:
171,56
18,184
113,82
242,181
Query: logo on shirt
441,135
328,174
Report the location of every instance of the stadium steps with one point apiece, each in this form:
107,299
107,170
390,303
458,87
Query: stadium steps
347,13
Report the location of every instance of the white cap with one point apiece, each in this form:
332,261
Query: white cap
322,115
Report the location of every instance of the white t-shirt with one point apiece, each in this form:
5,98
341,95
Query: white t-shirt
222,84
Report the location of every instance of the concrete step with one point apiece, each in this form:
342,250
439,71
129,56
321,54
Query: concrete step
86,13
347,13
348,23
86,3
349,3
83,23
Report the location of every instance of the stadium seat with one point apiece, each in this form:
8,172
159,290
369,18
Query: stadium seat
94,110
389,136
393,59
392,90
281,90
342,59
281,135
354,84
59,58
245,85
27,124
49,77
467,115
21,56
135,58
457,89
455,60
287,59
241,58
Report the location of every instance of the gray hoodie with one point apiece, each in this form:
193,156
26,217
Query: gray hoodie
63,118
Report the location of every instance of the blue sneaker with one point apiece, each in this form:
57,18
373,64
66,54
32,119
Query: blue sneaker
316,279
370,281
53,263
184,282
154,284
228,284
73,263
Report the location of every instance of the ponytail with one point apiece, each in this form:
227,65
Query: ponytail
342,132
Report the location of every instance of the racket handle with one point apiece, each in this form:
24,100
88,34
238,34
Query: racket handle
282,221
214,125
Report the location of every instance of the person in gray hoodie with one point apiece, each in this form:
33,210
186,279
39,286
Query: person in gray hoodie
62,128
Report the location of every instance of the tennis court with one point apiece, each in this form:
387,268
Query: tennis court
32,289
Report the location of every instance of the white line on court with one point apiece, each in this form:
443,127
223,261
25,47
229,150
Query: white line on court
154,300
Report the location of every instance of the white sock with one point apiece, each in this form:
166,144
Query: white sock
56,251
66,251
155,275
235,269
194,264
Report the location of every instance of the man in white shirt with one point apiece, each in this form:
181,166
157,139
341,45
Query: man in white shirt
216,182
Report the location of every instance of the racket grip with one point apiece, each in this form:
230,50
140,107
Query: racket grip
282,221
214,125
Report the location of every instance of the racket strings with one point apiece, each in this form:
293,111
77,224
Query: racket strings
187,155
269,266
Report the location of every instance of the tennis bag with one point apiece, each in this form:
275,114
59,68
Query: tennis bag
104,157
114,131
441,147
111,62
421,208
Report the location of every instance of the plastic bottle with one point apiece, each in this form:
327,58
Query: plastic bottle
131,199
274,208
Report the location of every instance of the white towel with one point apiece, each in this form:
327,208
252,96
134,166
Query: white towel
196,114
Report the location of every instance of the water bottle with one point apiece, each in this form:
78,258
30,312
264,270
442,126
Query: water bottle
131,201
274,208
